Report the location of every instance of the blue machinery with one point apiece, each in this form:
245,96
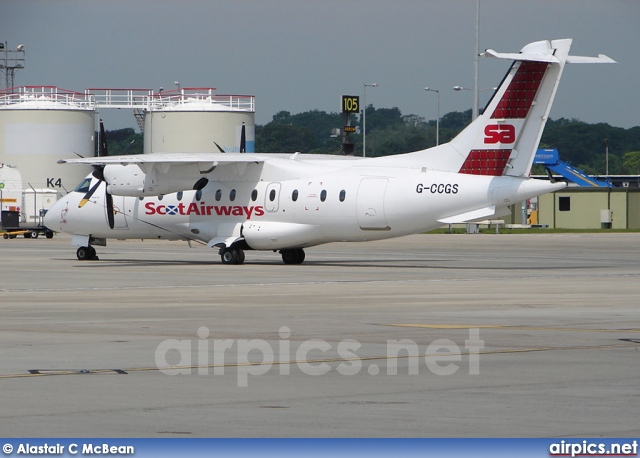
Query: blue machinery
551,160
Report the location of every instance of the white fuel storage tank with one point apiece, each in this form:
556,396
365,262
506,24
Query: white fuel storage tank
195,120
40,125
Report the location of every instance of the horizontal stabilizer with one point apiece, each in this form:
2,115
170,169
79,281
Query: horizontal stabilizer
544,51
534,57
469,216
601,59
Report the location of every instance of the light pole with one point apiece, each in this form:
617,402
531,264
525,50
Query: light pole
476,92
606,157
437,91
12,61
364,119
474,110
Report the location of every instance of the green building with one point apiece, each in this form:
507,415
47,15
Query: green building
590,208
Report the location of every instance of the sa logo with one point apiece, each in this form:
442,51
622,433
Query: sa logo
499,133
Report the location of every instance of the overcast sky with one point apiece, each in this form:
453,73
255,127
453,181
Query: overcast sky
299,55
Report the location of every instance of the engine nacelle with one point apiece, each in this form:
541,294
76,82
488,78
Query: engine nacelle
131,180
269,235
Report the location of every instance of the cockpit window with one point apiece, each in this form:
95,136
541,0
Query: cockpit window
84,186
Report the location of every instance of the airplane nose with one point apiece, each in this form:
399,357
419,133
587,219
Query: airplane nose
52,218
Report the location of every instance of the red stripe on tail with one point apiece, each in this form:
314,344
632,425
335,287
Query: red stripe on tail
517,99
486,162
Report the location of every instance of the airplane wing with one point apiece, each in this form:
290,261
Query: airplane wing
170,158
162,173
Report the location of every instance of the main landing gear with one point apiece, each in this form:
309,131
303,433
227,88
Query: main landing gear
232,255
87,253
293,256
235,255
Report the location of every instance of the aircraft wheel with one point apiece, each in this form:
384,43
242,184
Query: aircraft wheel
229,256
34,234
240,256
48,234
86,253
295,256
5,236
27,235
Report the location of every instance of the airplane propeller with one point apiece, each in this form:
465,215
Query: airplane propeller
243,141
98,174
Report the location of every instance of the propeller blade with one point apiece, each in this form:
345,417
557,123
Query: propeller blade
102,147
219,147
89,193
98,172
128,146
110,213
243,140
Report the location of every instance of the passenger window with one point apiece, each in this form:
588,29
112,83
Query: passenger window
343,194
272,195
323,195
199,195
294,195
160,197
179,195
219,195
232,195
254,195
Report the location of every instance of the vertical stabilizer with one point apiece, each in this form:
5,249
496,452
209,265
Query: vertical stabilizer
504,139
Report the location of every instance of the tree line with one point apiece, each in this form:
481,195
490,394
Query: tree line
390,132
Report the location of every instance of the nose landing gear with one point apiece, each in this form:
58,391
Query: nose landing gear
87,253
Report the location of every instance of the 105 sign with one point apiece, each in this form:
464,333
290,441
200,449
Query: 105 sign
350,104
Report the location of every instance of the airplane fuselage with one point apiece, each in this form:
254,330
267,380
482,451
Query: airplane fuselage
328,201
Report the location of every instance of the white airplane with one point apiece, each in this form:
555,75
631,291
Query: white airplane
237,202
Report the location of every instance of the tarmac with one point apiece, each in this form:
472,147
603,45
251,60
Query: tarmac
477,335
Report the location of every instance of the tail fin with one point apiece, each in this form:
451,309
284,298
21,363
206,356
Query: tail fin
504,139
